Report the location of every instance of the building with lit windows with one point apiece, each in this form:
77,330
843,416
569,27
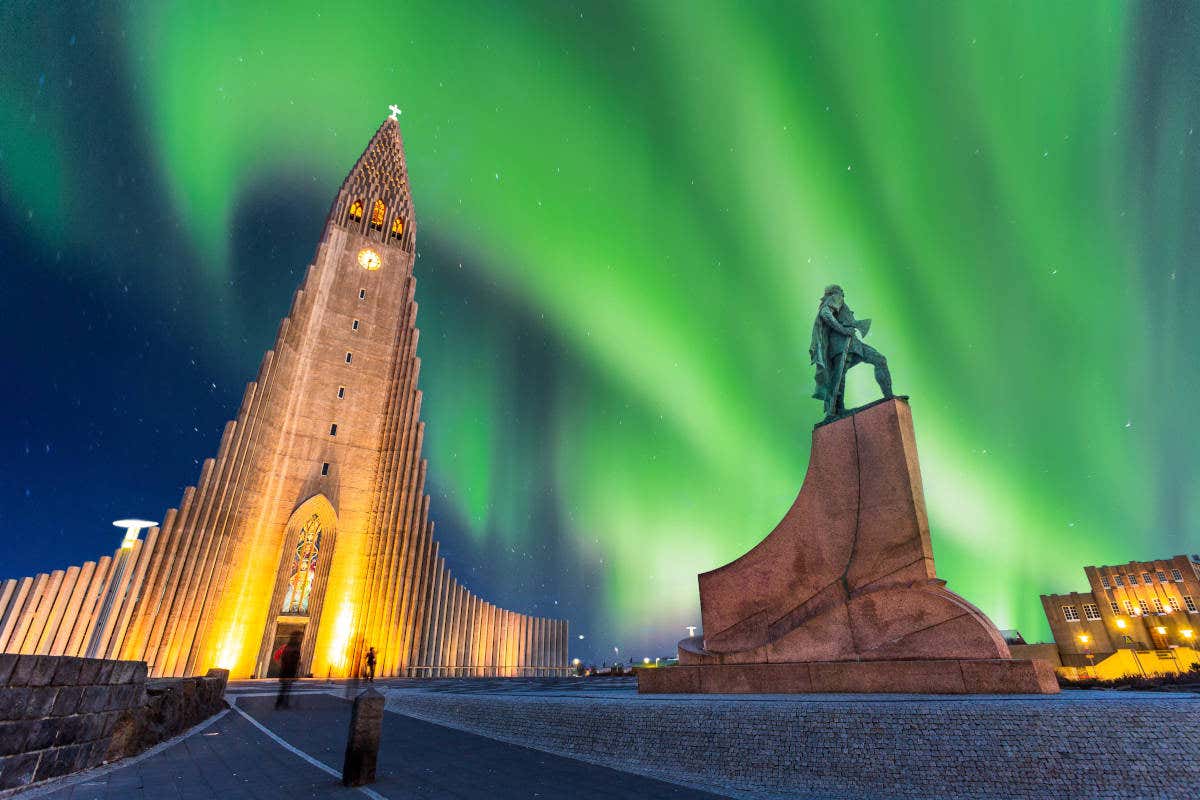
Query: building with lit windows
312,519
1143,616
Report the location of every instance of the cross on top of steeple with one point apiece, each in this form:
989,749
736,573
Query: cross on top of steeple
395,109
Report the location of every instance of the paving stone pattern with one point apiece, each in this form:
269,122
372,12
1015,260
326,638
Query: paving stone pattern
422,761
1073,745
231,760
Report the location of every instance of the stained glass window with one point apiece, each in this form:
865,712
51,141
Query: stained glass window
378,212
397,228
304,568
356,211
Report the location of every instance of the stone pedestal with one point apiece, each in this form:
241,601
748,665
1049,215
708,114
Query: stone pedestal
362,744
842,596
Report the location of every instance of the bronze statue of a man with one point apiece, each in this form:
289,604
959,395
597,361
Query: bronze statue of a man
835,349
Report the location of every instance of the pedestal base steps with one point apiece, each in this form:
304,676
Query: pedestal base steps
952,676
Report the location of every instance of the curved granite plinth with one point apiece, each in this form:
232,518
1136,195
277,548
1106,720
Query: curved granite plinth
842,595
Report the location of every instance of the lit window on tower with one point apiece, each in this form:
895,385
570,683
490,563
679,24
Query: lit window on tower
355,213
378,212
304,568
397,228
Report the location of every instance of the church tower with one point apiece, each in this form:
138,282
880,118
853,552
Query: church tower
313,518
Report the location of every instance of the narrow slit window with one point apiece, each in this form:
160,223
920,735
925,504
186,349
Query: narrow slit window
333,429
362,294
397,228
325,468
349,357
378,212
355,325
341,392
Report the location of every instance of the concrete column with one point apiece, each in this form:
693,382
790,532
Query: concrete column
54,620
62,639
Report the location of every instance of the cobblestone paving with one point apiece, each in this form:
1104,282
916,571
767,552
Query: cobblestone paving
1085,745
422,760
231,760
598,738
418,760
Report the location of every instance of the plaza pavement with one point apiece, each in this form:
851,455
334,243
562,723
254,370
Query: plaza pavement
233,758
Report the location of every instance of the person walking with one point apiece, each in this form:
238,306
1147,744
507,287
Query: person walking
288,657
371,665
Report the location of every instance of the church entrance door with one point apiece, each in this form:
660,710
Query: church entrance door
283,632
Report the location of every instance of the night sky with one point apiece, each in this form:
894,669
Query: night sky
627,214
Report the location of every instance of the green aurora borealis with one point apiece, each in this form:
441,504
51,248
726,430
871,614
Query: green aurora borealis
626,214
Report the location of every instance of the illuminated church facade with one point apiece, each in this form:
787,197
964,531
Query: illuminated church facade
312,518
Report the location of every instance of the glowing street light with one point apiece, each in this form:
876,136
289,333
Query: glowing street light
102,629
1187,633
1084,638
646,660
1121,624
1160,630
132,528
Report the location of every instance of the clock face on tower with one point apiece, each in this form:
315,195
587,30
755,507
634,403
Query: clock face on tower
368,259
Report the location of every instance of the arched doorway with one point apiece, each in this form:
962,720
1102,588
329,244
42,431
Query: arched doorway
300,577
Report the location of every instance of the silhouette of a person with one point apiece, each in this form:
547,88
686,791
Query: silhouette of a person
371,664
288,657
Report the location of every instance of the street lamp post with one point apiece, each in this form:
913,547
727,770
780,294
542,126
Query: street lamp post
132,528
1085,640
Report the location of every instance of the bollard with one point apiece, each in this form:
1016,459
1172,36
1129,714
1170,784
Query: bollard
362,744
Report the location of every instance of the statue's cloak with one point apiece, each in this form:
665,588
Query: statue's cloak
819,350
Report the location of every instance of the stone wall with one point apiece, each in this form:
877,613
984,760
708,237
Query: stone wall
61,714
1047,652
857,747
